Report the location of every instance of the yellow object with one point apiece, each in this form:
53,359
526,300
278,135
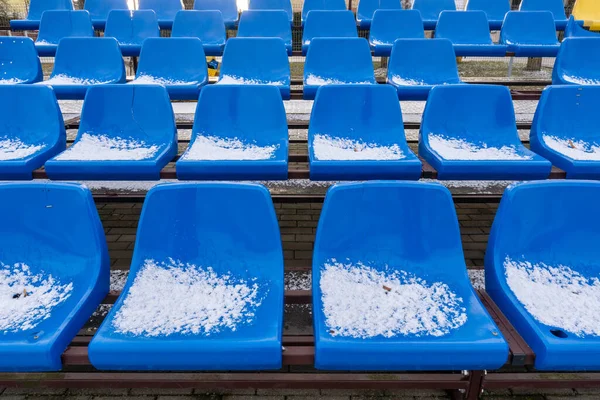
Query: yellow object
213,66
589,12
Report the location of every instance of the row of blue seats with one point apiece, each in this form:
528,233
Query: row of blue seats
467,132
167,9
228,233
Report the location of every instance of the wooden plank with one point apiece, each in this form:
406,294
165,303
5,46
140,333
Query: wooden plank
542,380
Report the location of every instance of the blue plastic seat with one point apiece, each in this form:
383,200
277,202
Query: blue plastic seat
285,5
328,24
25,142
227,231
565,129
228,9
131,28
376,236
58,24
495,10
544,237
417,65
530,34
577,62
83,62
431,9
266,23
331,5
67,262
19,62
247,120
34,14
556,7
179,64
389,25
165,10
208,26
127,132
252,61
99,10
337,61
470,132
356,133
469,33
366,10
574,29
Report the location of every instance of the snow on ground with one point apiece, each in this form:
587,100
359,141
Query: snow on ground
298,280
315,80
362,302
477,277
118,278
217,148
557,296
330,148
154,80
176,298
238,80
459,149
102,147
575,149
13,149
28,299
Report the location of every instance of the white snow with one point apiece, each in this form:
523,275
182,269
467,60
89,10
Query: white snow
557,296
101,147
398,80
362,302
328,148
176,298
298,280
28,299
68,80
11,81
315,80
118,278
238,80
217,148
575,149
459,149
477,277
579,80
14,149
153,80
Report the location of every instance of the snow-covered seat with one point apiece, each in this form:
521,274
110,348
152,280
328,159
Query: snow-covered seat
383,298
54,271
578,62
542,270
240,132
356,133
20,62
58,24
127,132
470,132
205,288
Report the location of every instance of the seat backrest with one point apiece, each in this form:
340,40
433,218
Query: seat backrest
138,112
228,8
586,10
164,9
556,7
339,60
389,25
37,7
480,114
570,67
99,9
90,59
285,5
132,27
329,24
573,29
47,128
431,9
19,62
366,8
464,27
250,113
368,113
423,61
208,26
528,27
173,59
57,24
256,60
310,5
265,23
495,10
